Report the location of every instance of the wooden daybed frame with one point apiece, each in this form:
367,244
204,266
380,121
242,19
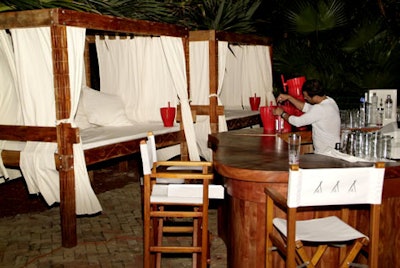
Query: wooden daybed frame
214,110
63,134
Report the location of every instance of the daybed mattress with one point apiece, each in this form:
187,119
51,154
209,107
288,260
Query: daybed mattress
236,113
99,136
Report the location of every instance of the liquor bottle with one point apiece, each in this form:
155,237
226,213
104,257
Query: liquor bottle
379,115
374,108
388,107
362,122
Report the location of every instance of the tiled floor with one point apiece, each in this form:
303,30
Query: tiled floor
111,239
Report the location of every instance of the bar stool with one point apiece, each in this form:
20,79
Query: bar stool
177,200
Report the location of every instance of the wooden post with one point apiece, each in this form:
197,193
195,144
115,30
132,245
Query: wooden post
64,139
213,74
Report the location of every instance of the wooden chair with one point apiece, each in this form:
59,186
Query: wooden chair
308,188
166,201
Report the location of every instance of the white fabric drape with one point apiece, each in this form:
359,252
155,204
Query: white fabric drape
10,112
248,72
147,73
222,54
35,76
200,89
136,70
176,61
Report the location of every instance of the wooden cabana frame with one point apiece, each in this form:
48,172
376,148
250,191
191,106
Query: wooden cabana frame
213,109
64,134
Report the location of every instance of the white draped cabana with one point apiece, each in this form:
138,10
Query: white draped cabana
34,86
42,60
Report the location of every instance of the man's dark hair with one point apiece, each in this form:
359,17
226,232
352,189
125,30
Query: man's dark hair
313,88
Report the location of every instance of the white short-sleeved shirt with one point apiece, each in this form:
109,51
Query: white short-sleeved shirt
325,120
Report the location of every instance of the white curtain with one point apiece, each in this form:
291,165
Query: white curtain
147,73
222,54
10,112
175,54
35,76
248,72
200,89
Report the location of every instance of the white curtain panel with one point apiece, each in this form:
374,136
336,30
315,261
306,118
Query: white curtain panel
10,112
200,92
222,54
257,76
136,69
175,55
248,72
35,76
200,89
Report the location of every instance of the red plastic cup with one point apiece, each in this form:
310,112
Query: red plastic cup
255,103
268,118
168,115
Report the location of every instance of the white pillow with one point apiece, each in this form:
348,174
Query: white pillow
81,119
104,109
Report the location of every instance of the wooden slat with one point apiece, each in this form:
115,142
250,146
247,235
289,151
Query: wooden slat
30,133
10,158
234,38
113,151
58,16
205,109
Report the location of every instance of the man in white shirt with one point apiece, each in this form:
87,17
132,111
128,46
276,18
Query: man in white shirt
320,111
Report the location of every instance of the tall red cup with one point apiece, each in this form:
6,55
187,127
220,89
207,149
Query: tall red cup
168,116
254,103
268,118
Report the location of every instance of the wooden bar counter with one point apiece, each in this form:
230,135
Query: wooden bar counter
248,161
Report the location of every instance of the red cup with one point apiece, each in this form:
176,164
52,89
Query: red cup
268,118
168,116
255,103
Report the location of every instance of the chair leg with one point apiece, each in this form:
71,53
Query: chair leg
195,259
160,225
302,256
355,249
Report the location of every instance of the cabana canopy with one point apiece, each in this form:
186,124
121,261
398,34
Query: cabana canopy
63,34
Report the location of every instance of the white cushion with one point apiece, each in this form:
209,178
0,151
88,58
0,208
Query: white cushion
104,109
328,229
81,118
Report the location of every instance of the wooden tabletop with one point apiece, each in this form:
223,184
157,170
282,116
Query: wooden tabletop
249,154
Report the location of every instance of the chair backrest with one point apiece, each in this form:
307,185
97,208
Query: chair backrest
335,186
148,153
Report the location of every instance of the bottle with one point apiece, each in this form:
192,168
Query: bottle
362,112
379,115
367,106
388,107
374,108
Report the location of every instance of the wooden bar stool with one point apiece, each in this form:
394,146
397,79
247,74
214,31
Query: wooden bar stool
179,201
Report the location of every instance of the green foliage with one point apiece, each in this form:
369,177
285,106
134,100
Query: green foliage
228,15
348,51
102,7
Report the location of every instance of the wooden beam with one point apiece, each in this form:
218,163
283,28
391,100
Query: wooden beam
10,158
65,17
30,133
233,38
